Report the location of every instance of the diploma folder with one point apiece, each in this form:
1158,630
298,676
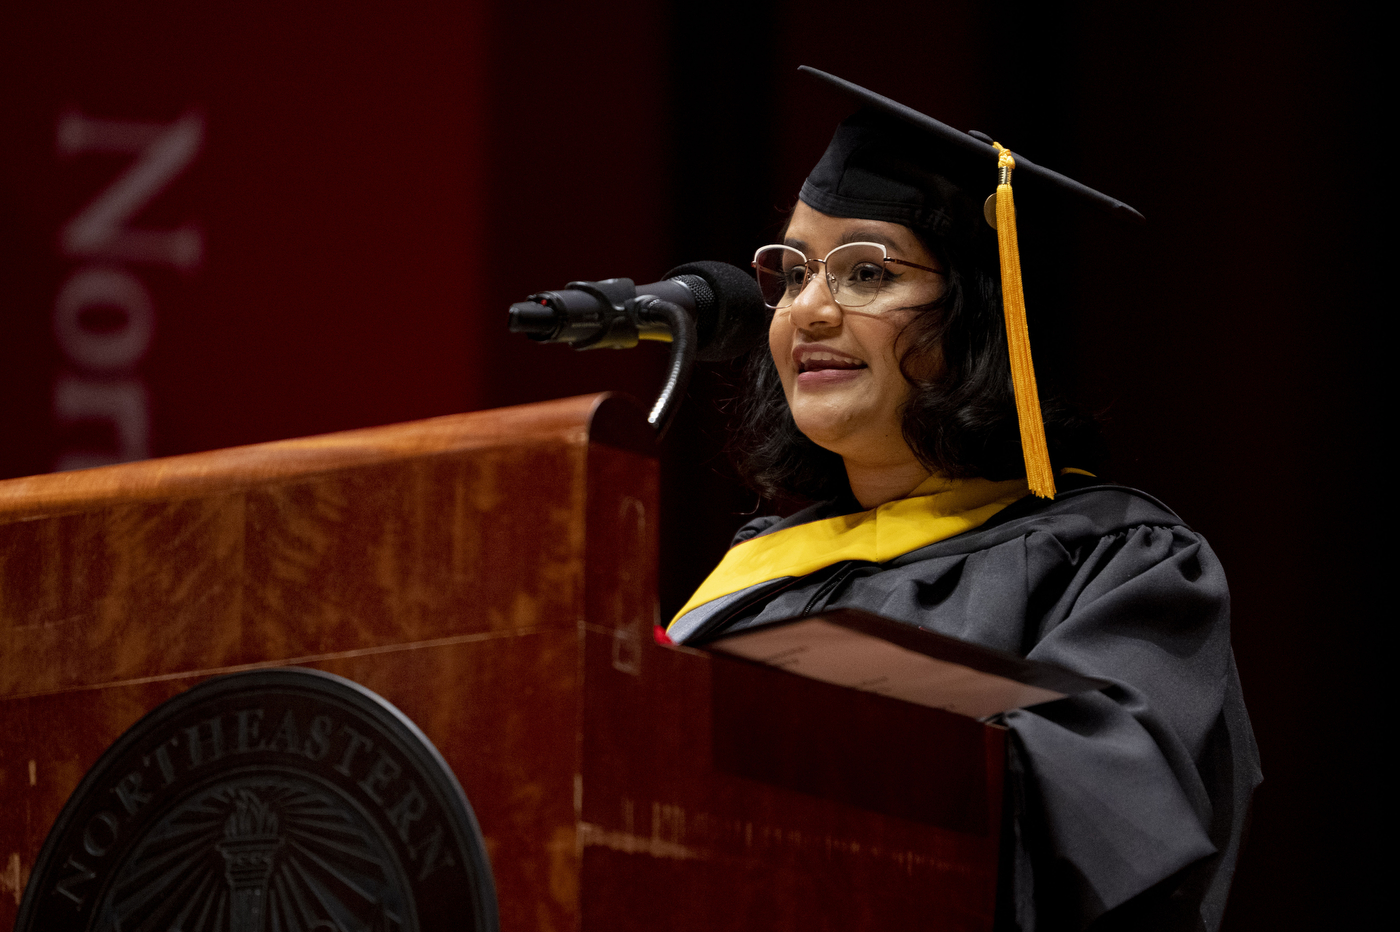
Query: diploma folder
861,650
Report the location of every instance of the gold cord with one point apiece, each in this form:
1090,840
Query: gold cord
1036,451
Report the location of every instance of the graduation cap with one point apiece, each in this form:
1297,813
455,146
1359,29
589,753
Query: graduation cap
890,162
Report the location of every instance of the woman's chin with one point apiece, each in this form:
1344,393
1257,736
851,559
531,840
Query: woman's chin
838,431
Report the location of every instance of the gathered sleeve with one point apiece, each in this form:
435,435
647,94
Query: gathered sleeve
1119,792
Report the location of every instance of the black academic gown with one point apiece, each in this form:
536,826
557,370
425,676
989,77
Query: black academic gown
1126,806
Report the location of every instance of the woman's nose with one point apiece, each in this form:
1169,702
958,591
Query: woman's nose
814,306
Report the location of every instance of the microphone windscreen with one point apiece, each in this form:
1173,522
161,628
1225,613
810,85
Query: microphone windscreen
736,321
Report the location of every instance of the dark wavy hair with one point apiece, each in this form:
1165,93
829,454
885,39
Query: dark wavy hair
960,423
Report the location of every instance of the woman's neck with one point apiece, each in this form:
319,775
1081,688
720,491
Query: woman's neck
875,484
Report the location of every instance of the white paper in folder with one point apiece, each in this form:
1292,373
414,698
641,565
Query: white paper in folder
864,651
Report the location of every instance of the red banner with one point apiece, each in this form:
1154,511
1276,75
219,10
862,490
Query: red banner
231,222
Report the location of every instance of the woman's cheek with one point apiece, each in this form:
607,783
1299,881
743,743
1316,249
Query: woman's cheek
780,347
924,366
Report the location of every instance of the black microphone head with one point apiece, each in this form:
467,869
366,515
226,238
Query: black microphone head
730,316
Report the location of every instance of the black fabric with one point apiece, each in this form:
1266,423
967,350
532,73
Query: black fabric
877,168
966,158
1124,803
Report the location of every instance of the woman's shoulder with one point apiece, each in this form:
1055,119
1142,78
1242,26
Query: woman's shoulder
1090,504
1085,513
1083,506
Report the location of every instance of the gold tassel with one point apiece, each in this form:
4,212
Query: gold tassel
1039,475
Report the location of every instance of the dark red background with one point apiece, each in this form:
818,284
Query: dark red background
379,181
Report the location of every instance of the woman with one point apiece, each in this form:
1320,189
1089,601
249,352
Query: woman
887,397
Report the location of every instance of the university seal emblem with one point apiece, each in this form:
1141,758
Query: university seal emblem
268,801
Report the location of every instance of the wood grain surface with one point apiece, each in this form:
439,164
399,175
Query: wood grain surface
494,576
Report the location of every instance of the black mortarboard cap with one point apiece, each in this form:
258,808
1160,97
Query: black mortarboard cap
890,162
878,168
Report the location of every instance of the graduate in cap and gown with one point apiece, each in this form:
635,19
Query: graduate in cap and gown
899,395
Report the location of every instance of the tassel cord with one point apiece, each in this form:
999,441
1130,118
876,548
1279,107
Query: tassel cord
1039,475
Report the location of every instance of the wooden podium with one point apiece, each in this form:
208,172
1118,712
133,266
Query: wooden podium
493,575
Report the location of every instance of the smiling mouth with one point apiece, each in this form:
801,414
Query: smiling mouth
819,361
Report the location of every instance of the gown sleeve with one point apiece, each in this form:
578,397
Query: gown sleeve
1117,806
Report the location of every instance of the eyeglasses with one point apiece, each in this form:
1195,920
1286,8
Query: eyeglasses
855,273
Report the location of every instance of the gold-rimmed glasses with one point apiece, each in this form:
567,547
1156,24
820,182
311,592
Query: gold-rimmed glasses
855,273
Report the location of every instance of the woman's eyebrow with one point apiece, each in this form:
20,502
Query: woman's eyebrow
870,236
852,236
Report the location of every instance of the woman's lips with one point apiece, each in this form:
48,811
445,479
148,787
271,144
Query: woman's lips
818,366
820,378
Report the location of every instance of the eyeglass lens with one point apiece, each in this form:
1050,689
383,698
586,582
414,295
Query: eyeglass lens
854,273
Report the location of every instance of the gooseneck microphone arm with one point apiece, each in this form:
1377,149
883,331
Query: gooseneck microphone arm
682,329
610,314
705,310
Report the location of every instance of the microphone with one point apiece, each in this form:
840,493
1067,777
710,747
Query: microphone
724,303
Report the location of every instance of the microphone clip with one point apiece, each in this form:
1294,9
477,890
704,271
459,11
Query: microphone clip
617,324
607,314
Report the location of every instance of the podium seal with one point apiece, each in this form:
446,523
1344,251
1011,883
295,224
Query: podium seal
282,800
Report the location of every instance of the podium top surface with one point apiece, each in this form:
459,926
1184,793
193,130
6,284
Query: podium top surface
609,418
